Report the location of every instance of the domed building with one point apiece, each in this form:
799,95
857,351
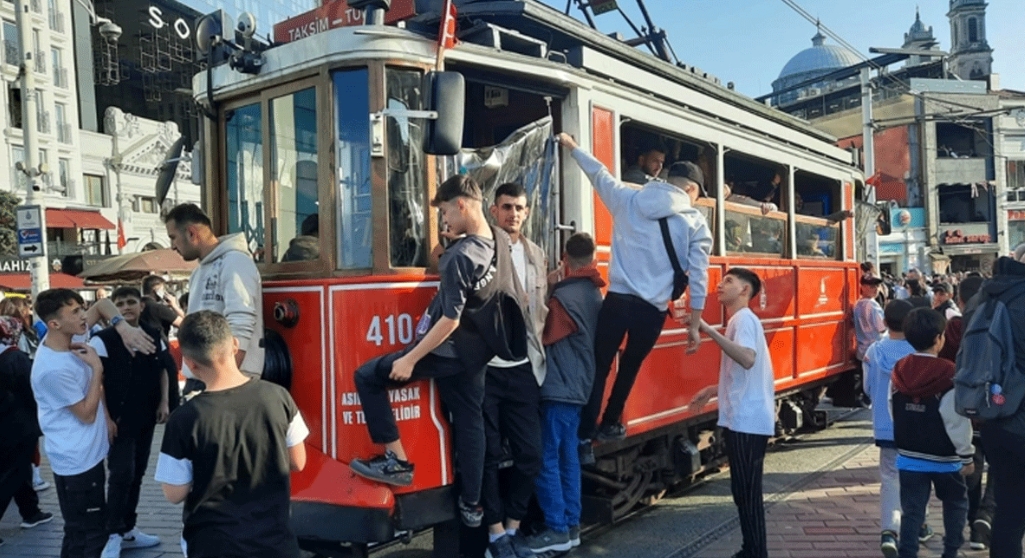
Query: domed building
812,63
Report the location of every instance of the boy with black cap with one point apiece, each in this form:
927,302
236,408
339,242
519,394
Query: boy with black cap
453,345
641,279
942,300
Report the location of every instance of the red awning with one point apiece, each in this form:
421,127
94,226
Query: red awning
23,282
76,219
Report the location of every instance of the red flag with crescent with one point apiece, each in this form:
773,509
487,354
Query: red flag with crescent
121,242
447,29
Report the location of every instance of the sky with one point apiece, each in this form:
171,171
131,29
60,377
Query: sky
749,41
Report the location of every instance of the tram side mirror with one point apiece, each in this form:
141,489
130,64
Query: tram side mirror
446,95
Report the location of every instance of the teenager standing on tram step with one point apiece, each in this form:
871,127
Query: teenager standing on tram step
455,339
747,406
67,380
512,391
641,279
135,388
228,452
226,281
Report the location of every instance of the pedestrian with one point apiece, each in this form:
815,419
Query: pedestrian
569,334
934,443
20,309
918,296
512,391
456,337
641,279
135,388
1005,439
20,427
869,326
161,311
879,360
67,381
226,282
746,395
943,300
228,452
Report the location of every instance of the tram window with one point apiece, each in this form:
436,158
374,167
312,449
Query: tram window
244,150
407,173
748,231
355,228
818,216
293,136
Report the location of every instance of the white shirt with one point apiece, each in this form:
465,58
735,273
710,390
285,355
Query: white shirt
747,397
59,380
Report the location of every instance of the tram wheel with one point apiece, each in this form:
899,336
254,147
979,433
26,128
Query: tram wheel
635,489
277,361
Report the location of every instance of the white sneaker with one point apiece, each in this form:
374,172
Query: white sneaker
113,547
40,485
137,539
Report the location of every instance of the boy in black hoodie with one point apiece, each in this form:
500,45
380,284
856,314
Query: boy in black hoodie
934,443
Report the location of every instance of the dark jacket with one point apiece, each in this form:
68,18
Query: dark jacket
131,384
18,419
925,425
1009,274
570,357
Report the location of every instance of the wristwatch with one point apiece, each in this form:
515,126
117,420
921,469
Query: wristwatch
116,320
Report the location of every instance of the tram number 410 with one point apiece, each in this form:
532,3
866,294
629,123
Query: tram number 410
399,330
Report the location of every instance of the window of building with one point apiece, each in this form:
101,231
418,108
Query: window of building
293,136
95,190
64,175
147,204
56,58
12,49
973,30
964,203
245,176
18,177
1015,180
60,112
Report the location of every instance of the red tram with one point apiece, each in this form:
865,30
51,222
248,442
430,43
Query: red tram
323,150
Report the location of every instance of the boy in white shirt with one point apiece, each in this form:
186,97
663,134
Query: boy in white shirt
746,397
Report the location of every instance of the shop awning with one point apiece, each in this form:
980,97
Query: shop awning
23,282
76,219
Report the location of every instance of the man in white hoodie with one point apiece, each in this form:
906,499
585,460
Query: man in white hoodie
226,281
641,279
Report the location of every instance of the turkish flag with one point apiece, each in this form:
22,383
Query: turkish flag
121,242
875,180
447,30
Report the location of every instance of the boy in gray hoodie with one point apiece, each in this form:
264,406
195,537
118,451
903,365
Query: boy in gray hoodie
641,279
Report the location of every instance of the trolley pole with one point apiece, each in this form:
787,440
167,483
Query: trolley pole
29,114
868,148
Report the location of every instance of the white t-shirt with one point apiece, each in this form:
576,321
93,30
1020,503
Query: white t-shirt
747,397
59,380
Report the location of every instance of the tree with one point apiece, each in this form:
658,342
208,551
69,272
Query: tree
8,223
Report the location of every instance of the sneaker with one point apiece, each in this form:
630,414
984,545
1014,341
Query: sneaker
471,514
574,535
37,518
113,547
549,541
612,432
2,542
40,485
925,533
889,544
586,453
980,535
520,547
137,539
385,468
501,548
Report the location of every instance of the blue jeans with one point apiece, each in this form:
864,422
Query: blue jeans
558,484
915,488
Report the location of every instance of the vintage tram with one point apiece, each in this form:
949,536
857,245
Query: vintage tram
319,158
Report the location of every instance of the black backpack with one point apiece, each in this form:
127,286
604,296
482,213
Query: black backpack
987,383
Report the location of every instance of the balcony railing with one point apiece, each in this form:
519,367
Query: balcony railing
60,77
12,53
57,22
64,133
40,62
43,122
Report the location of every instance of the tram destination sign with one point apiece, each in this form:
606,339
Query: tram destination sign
334,14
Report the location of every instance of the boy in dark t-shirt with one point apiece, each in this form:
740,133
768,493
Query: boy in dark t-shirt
228,452
445,349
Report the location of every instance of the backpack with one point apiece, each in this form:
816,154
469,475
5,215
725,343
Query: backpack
987,383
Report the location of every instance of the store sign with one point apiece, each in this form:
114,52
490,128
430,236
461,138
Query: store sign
1016,215
956,236
15,266
158,20
334,14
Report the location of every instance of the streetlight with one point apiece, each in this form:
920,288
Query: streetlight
110,32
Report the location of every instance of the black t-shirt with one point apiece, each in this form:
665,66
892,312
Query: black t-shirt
464,267
158,315
236,443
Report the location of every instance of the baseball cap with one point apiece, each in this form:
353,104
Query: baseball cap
868,279
690,171
943,287
458,186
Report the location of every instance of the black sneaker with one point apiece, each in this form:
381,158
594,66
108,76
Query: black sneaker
980,535
520,547
611,432
385,468
471,514
37,518
574,535
502,548
586,453
888,545
925,533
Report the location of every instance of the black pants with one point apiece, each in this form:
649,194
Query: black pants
512,410
461,390
746,453
84,511
1006,455
26,497
641,323
174,395
981,502
126,462
15,473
